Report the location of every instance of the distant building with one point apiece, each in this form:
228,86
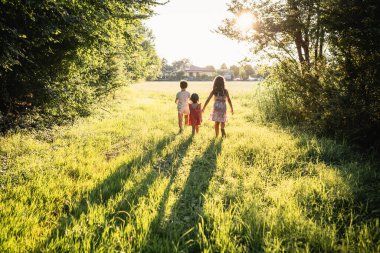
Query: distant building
193,72
228,76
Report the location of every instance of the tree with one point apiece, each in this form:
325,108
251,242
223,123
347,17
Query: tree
151,63
211,67
181,65
263,71
249,71
327,62
281,26
235,70
166,69
180,75
243,75
57,58
353,40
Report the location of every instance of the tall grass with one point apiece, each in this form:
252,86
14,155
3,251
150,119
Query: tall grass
123,180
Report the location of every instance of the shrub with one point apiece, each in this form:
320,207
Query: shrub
58,58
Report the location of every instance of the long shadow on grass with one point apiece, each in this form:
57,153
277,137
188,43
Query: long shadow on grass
168,164
121,214
180,228
107,189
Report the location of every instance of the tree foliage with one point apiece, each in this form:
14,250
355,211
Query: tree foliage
181,65
174,71
289,29
59,57
327,72
246,70
235,70
211,67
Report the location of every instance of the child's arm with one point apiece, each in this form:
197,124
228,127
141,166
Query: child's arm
230,103
208,99
176,99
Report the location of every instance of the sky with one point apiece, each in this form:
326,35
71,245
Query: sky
184,29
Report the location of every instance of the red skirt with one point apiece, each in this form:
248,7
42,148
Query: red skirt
195,115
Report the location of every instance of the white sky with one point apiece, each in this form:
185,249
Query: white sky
183,29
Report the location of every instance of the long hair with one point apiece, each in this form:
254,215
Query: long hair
218,88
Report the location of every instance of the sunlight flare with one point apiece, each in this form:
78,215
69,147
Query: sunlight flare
244,21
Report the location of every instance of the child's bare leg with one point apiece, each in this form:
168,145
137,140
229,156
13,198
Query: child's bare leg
193,129
217,129
186,119
222,124
180,121
197,128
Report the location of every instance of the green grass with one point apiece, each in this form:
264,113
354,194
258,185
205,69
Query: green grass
123,181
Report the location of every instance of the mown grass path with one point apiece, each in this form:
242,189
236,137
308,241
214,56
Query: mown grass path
124,181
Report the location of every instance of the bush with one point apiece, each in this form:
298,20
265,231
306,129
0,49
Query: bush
58,58
324,101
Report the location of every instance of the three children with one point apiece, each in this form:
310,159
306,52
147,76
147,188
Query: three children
219,113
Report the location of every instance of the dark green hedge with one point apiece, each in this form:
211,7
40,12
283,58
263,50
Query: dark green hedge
57,58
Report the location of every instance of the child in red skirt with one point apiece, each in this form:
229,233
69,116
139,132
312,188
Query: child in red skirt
195,118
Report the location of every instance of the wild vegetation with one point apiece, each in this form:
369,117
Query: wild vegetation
122,180
57,58
328,59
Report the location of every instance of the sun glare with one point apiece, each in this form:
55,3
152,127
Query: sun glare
245,21
204,46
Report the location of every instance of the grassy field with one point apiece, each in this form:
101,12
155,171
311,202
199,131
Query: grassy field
122,180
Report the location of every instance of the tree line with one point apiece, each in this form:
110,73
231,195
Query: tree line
242,71
58,58
328,58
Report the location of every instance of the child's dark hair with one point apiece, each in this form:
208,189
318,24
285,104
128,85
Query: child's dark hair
183,84
194,98
218,87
